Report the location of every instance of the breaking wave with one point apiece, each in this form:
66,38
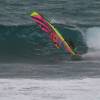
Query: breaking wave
30,41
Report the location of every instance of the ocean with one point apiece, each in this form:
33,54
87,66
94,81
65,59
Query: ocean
32,68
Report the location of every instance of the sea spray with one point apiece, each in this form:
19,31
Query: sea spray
93,42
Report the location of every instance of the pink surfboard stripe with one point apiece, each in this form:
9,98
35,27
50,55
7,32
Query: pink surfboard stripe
47,28
42,19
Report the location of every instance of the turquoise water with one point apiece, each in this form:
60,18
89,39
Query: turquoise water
29,41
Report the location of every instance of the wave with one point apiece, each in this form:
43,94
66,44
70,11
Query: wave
31,41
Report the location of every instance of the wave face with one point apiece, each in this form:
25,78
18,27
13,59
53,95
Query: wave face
30,41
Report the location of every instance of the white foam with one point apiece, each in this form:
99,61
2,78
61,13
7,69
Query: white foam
31,89
93,38
93,43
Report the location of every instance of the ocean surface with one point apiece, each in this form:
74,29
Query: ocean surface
32,68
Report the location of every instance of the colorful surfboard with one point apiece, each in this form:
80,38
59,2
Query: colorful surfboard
53,33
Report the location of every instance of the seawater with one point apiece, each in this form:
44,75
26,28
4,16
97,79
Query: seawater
31,68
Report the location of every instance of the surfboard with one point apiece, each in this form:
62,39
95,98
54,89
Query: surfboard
53,33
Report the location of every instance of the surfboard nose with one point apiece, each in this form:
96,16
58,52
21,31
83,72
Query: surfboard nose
34,13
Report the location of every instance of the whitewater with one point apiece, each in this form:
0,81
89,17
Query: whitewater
33,89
